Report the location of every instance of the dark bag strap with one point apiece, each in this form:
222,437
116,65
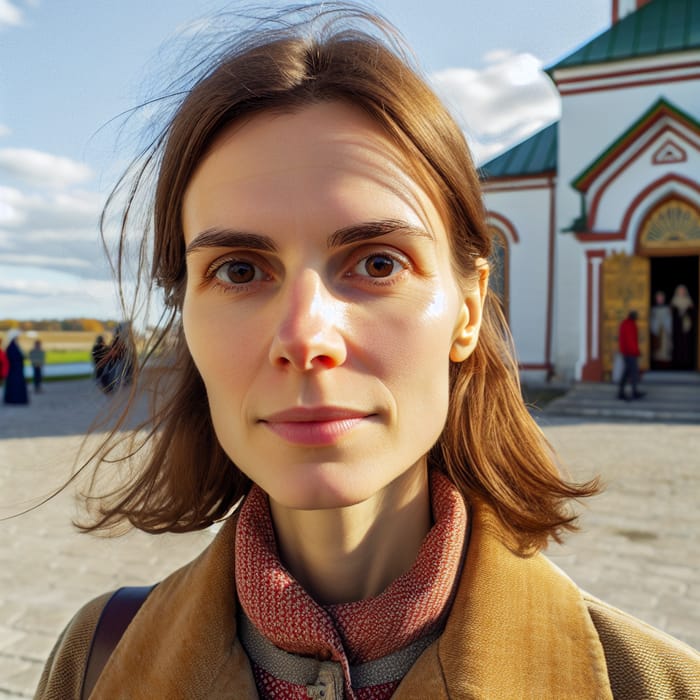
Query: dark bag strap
114,619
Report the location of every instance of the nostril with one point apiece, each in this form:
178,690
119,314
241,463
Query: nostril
325,361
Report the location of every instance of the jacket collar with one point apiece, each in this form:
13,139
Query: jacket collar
518,628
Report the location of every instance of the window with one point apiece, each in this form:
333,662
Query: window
498,277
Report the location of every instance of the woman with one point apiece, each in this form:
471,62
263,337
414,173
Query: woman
660,327
341,368
15,383
683,332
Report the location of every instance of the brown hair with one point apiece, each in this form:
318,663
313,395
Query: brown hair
490,447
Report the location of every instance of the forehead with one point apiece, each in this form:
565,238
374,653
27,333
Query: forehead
331,148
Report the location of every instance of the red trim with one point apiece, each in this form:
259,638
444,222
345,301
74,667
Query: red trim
592,371
520,182
505,223
602,237
593,213
534,365
550,277
637,83
516,189
615,11
658,159
633,71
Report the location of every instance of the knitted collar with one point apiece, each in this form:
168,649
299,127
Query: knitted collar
413,606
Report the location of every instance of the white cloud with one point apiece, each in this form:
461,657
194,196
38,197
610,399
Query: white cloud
4,130
53,230
41,169
10,14
46,261
500,104
42,209
34,292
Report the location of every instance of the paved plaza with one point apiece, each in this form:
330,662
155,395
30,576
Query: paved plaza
639,548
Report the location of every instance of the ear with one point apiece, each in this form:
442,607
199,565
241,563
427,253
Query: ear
466,331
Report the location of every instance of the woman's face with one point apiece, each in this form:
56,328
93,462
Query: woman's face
321,308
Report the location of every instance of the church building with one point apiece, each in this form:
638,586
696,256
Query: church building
599,214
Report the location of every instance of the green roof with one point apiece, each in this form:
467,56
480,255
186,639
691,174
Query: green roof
535,155
661,26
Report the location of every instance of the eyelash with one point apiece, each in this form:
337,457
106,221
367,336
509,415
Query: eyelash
403,263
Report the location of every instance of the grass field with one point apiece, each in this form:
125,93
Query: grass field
58,357
61,346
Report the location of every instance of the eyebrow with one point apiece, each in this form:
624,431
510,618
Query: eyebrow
230,238
374,229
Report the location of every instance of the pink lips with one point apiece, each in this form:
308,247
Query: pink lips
314,426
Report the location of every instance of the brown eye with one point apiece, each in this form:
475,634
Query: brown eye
237,272
379,265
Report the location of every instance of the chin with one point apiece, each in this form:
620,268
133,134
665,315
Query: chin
319,490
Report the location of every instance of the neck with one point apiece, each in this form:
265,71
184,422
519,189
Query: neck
353,553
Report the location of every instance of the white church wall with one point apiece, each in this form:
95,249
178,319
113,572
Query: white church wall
528,212
569,305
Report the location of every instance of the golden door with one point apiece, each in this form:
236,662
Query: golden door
625,287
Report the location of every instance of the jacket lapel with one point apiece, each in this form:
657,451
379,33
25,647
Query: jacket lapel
182,643
518,628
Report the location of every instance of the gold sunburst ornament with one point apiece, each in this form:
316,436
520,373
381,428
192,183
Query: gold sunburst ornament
675,224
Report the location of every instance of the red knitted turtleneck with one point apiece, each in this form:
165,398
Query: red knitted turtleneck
412,607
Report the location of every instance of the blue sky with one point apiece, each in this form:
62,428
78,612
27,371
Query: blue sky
69,67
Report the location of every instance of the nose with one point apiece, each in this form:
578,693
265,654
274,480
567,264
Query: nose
308,334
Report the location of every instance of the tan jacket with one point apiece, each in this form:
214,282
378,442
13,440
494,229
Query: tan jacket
518,628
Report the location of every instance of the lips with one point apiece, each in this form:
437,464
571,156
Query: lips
323,425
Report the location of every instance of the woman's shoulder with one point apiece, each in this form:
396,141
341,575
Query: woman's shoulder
62,678
643,662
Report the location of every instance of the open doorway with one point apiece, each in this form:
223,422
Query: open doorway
673,319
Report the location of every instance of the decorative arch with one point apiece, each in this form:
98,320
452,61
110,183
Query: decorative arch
669,186
503,235
671,227
504,225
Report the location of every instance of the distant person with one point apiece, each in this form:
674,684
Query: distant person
683,336
628,338
118,363
4,365
661,329
99,353
15,384
37,356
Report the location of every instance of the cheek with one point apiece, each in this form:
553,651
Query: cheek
221,350
414,346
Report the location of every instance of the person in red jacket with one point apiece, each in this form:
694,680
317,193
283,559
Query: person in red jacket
4,365
629,348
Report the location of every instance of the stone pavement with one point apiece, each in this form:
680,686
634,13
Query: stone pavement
668,396
639,549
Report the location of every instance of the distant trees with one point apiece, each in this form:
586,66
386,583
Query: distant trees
91,325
